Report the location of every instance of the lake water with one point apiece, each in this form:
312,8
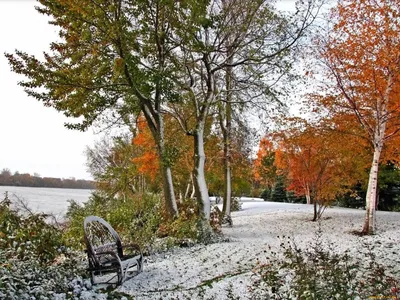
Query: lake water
47,200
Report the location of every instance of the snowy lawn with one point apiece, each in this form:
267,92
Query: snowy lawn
224,270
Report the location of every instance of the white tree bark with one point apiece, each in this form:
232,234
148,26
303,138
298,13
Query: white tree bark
193,194
200,184
157,130
188,186
169,191
226,126
228,191
378,140
369,223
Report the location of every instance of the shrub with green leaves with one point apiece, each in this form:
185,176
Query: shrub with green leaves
135,219
34,262
29,235
31,279
320,273
185,226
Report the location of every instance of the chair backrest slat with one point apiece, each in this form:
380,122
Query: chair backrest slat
100,237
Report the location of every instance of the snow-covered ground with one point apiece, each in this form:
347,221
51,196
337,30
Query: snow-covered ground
224,270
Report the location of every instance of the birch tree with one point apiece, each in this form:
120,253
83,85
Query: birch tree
362,56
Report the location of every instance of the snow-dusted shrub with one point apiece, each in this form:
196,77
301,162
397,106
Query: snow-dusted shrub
185,226
140,218
27,235
189,227
34,262
236,204
135,218
32,279
320,273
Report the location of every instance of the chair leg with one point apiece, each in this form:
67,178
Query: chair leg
92,278
121,276
140,264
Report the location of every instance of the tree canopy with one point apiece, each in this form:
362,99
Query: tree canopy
187,77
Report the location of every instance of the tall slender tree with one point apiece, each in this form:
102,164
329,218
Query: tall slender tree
362,56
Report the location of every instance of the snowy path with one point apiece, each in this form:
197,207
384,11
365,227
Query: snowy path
224,270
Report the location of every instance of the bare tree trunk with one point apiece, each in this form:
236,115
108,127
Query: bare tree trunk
180,198
308,197
378,140
369,222
228,190
156,125
205,231
200,184
168,187
169,194
226,126
315,218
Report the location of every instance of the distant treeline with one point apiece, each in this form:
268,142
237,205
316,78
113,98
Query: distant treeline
25,179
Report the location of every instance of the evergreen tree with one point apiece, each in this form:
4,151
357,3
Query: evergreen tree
279,191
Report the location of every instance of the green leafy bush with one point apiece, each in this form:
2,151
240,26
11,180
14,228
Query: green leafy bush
140,218
320,273
32,279
27,236
35,264
135,219
185,226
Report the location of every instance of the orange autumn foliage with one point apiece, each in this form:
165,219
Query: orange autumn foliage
147,161
315,164
362,55
181,160
264,168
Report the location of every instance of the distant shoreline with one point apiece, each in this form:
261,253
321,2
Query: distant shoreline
27,180
50,187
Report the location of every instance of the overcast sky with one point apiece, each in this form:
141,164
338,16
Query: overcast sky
33,137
